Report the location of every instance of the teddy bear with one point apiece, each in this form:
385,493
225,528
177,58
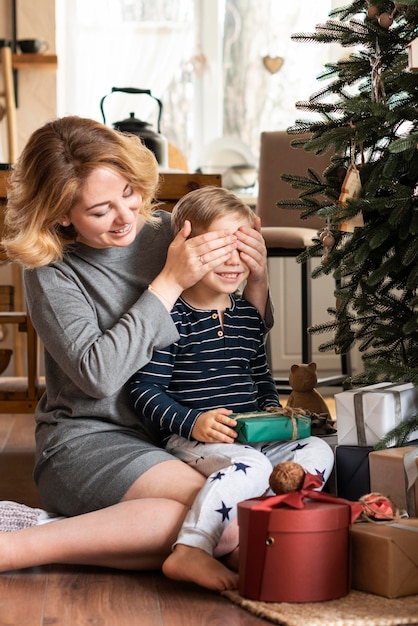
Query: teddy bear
303,379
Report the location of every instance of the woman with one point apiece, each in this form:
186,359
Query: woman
101,277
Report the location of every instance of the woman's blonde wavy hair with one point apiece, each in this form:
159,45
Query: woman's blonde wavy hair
48,180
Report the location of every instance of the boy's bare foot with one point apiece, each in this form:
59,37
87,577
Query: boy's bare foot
231,560
197,566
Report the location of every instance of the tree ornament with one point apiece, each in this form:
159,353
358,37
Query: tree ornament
328,241
413,54
351,189
372,12
385,20
378,88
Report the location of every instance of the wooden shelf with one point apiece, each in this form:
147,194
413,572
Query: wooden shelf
31,61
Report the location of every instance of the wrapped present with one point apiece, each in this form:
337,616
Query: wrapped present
295,547
385,558
269,426
366,414
352,471
394,473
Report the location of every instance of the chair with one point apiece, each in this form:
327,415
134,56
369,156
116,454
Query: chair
20,394
285,233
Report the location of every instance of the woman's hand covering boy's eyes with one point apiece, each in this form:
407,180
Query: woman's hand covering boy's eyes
252,249
189,259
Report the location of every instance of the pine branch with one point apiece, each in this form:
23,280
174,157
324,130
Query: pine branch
345,12
399,435
404,144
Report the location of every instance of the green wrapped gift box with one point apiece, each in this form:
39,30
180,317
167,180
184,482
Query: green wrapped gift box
268,426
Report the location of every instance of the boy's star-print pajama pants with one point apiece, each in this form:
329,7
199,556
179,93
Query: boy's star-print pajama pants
236,472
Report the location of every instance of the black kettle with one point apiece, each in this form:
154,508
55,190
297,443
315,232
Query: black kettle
155,141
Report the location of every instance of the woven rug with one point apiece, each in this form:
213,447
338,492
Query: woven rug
355,609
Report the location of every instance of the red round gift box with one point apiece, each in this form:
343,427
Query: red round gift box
294,554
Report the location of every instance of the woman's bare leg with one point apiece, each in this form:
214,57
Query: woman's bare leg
137,534
173,480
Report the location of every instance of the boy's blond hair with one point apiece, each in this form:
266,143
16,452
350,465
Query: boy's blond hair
206,204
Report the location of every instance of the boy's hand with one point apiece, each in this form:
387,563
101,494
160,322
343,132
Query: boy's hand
215,427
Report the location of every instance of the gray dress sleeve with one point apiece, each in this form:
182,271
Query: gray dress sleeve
96,319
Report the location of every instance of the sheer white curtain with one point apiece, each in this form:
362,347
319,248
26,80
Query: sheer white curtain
256,99
100,46
202,58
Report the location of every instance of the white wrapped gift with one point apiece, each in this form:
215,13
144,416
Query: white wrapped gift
366,414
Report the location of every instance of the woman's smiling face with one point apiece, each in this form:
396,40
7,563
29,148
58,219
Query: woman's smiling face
107,213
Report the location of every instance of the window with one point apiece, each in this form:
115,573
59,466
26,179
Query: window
202,58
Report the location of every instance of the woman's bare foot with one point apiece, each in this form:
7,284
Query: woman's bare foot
197,566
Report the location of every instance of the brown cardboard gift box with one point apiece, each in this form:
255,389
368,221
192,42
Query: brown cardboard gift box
385,558
394,473
295,548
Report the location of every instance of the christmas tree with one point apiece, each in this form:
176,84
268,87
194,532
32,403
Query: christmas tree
367,116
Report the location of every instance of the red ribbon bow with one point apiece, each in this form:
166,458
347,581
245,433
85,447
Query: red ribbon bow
297,499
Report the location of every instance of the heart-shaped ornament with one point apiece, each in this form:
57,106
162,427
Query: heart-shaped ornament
273,64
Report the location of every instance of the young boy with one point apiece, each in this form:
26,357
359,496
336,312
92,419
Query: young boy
190,388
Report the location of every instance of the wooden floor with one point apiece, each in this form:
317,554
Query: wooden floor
78,596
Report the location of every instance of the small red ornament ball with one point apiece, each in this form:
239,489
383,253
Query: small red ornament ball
328,241
372,12
385,20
